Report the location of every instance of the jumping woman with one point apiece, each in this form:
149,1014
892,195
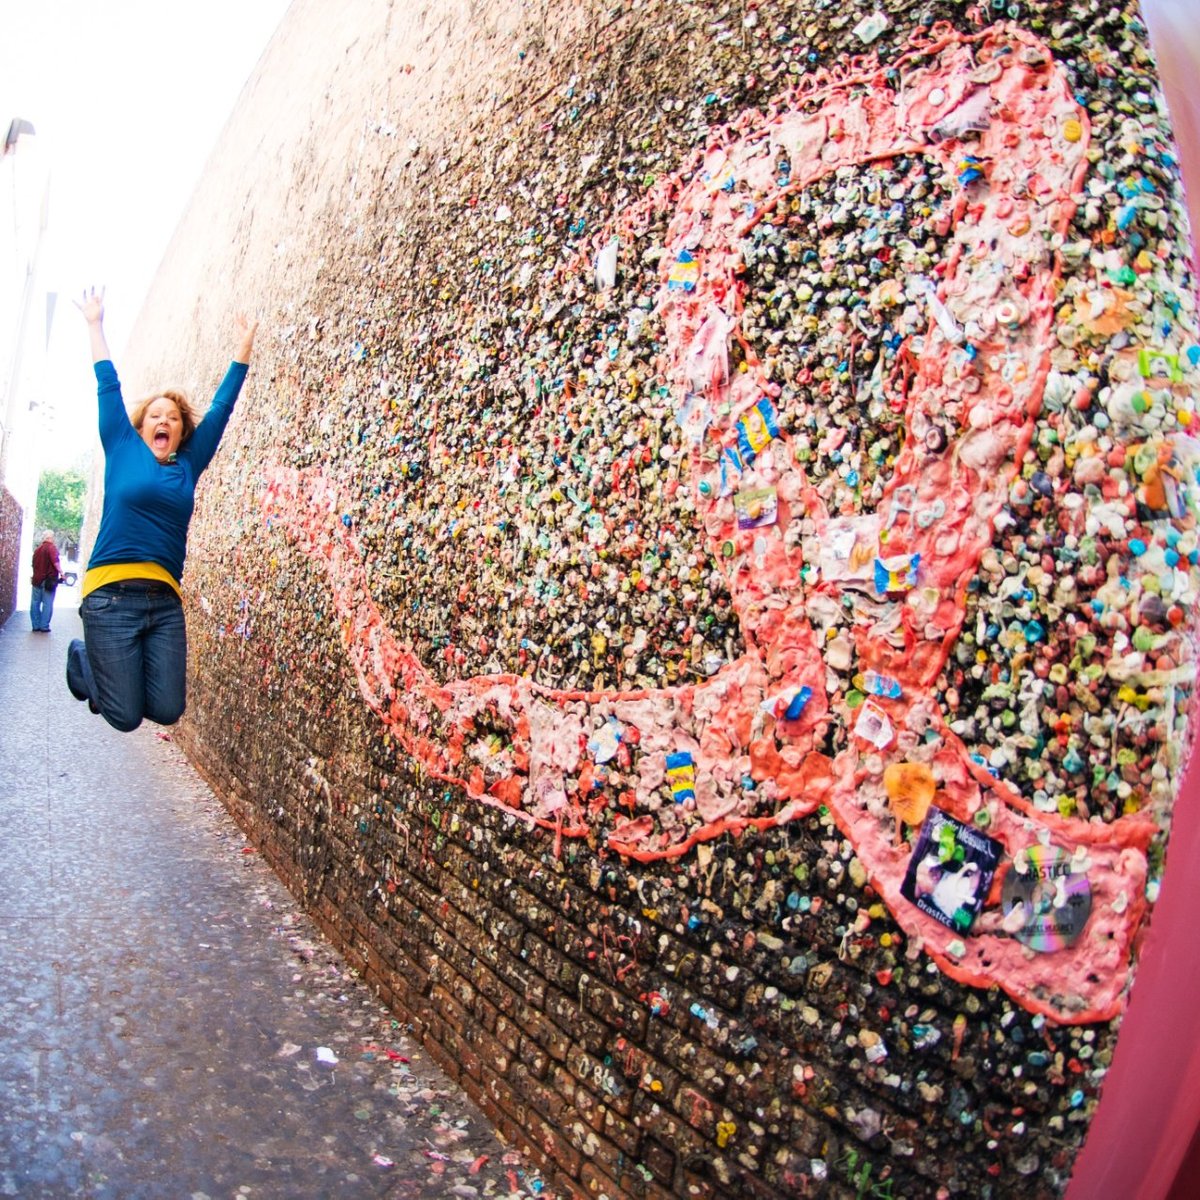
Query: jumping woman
132,661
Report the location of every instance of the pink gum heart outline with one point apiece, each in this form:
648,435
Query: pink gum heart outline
1026,184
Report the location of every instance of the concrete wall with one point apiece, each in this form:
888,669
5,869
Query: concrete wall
696,453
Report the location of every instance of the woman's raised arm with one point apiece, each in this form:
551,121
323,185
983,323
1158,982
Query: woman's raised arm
92,307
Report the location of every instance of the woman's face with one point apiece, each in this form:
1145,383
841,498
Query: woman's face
956,889
162,428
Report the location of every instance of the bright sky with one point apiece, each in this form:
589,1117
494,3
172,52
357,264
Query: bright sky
128,98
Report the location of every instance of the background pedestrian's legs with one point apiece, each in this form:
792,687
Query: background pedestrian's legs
36,600
47,607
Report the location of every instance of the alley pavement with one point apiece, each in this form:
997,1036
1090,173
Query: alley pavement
171,1023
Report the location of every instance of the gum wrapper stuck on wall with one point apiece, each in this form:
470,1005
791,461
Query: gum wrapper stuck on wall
950,870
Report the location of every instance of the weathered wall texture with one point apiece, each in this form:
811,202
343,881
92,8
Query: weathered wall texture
10,553
697,593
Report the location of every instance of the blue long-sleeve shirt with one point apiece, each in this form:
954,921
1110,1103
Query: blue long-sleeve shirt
147,504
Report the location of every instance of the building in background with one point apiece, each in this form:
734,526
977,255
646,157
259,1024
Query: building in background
25,315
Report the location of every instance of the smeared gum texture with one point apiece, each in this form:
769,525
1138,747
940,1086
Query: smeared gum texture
539,767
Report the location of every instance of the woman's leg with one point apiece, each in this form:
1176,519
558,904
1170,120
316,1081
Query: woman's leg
79,674
165,658
113,622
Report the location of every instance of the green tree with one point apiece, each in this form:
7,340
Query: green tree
60,505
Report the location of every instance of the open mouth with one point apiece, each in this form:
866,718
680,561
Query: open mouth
162,439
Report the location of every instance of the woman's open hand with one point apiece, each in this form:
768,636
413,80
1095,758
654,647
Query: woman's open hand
244,330
92,306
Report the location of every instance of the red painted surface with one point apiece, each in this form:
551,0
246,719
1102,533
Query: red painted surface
935,511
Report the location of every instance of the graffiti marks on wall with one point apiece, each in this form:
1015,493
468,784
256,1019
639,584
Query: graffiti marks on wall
834,576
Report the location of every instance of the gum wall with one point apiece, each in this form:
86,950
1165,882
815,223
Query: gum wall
698,593
10,548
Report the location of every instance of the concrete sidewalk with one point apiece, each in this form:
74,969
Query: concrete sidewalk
169,1019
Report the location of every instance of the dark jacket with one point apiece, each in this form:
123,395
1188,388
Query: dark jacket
45,564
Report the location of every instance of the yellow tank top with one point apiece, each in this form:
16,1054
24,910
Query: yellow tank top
97,577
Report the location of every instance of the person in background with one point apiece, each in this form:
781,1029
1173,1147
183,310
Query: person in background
131,664
45,581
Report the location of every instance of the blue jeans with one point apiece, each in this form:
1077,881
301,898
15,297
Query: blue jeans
41,607
133,661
